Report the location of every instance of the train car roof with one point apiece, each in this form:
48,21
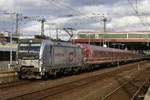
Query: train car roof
104,48
50,41
30,40
61,43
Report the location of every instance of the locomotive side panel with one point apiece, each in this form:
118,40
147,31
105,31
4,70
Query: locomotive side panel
65,56
79,56
59,56
74,56
47,57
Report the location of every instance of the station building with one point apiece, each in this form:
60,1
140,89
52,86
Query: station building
138,41
6,48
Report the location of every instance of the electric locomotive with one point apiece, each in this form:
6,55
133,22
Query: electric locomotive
38,58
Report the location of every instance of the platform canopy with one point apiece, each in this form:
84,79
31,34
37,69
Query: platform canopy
132,40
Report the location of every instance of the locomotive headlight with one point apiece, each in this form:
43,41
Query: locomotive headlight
40,69
17,62
23,62
41,63
44,69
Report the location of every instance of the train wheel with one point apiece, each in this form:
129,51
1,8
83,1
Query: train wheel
46,76
19,76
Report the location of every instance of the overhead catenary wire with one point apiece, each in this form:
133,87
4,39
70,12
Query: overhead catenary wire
61,4
77,12
11,15
135,9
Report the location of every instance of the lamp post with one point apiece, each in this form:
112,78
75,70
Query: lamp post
104,29
50,27
42,26
17,15
99,15
11,33
42,20
89,38
104,20
10,56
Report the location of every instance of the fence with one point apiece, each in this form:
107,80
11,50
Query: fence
4,66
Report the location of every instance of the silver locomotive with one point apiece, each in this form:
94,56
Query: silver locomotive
38,58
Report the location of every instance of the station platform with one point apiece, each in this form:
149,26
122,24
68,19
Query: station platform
7,73
5,70
8,76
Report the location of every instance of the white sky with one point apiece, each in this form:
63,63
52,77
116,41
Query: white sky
78,14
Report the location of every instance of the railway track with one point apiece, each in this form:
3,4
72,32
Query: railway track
15,84
135,87
12,84
52,91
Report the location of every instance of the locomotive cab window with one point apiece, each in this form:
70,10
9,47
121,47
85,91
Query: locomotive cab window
34,47
29,49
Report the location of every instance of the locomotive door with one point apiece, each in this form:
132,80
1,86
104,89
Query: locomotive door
47,55
71,56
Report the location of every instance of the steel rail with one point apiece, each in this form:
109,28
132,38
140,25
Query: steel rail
60,88
115,90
